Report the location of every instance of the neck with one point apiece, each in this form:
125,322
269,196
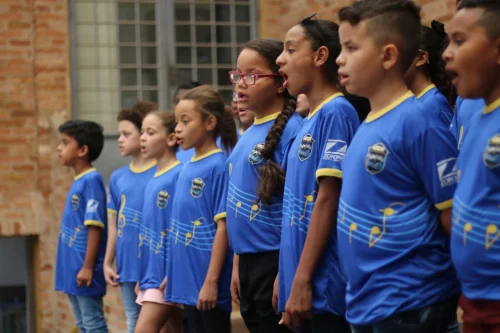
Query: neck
81,166
166,160
494,93
420,82
268,109
386,92
139,161
205,147
320,90
244,127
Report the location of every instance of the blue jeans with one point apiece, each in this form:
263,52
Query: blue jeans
436,318
89,314
132,309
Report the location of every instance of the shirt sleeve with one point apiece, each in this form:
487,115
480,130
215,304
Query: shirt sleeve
434,155
113,197
220,184
95,206
336,135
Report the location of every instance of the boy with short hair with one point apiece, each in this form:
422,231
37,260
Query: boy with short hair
473,59
82,237
392,235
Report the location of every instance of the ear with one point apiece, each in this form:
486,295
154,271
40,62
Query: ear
390,56
280,90
422,58
83,151
171,140
210,123
321,56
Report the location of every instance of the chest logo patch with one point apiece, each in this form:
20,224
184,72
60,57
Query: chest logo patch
197,187
376,158
162,199
306,147
491,155
255,156
75,200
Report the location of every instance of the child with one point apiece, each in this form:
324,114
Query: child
125,203
426,77
199,265
473,61
253,224
400,182
246,120
311,288
157,142
82,237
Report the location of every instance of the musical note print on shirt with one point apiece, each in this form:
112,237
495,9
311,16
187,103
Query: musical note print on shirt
73,238
122,221
308,200
375,231
127,217
190,236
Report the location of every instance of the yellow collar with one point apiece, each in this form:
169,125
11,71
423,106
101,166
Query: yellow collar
373,115
492,107
311,114
426,90
265,119
194,159
143,169
84,173
170,167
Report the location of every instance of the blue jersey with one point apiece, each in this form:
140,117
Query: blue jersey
85,207
254,226
395,253
199,202
435,102
317,151
153,249
464,110
475,244
126,196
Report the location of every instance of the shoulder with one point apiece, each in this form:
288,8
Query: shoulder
94,180
340,106
118,173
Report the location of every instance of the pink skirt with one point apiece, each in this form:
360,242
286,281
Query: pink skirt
154,296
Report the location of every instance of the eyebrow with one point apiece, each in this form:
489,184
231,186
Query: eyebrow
347,42
289,42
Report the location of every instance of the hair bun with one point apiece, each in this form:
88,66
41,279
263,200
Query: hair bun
438,27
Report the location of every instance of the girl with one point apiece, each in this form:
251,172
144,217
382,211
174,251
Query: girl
311,287
199,265
254,212
126,198
157,141
427,78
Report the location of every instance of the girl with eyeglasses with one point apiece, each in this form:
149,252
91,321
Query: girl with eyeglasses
256,174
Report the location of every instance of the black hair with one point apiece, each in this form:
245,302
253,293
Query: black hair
86,133
434,41
390,21
137,113
184,86
272,176
491,14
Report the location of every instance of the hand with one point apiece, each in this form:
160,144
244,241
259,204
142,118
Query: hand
84,277
299,305
136,288
235,286
207,300
110,275
275,294
163,285
286,320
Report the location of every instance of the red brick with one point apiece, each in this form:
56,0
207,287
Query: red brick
18,25
20,42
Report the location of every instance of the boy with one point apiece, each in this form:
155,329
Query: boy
82,237
394,250
473,59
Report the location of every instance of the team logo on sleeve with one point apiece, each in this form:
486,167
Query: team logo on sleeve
162,199
197,187
447,172
335,150
255,156
491,156
376,158
306,147
92,206
75,200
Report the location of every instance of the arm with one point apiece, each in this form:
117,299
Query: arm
446,220
235,280
208,294
84,277
109,272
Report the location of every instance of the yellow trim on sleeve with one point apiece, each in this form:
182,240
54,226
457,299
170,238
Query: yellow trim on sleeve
93,223
258,121
194,159
426,90
170,167
111,211
444,205
85,173
143,169
219,216
492,107
311,114
373,115
328,173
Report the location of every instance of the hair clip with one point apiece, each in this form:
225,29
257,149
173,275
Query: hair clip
438,27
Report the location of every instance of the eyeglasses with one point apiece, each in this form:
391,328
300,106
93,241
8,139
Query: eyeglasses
248,78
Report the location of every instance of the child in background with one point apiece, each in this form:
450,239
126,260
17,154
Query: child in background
473,61
311,287
199,265
157,142
302,105
253,224
125,204
426,77
400,184
82,237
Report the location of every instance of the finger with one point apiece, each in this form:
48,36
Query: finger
89,282
78,281
296,320
199,305
213,305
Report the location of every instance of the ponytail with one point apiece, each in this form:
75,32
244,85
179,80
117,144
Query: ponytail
226,128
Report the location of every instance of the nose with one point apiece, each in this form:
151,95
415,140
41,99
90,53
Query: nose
178,128
143,137
340,59
280,61
447,54
120,139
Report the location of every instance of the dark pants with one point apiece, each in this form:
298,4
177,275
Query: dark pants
325,323
212,321
435,318
480,316
257,273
